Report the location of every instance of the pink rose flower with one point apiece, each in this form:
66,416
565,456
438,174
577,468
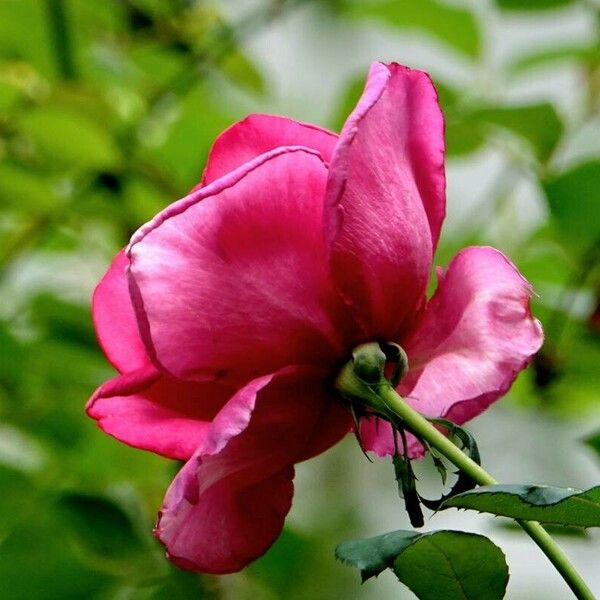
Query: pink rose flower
230,313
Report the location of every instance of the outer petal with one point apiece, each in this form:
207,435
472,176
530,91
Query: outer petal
114,319
156,412
385,198
257,134
227,505
473,338
233,281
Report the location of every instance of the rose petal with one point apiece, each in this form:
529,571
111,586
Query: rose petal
233,282
228,503
114,319
257,134
376,436
473,338
156,412
385,198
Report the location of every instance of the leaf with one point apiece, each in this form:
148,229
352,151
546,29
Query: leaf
551,56
574,199
17,500
185,584
292,553
24,34
374,555
453,565
440,564
12,354
183,139
455,26
350,95
564,531
547,504
532,4
593,441
67,139
36,564
539,124
243,72
25,190
98,524
463,135
576,390
63,320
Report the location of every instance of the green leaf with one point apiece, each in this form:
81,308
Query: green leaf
98,524
63,320
142,200
574,199
547,504
36,564
24,34
291,554
467,128
463,135
67,139
18,498
350,95
179,142
593,441
532,4
455,26
12,354
576,390
184,584
26,190
551,56
564,531
440,564
243,72
539,124
374,555
453,565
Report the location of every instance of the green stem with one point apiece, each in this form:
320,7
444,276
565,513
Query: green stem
59,26
425,430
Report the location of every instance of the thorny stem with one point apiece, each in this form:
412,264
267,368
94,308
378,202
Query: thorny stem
425,430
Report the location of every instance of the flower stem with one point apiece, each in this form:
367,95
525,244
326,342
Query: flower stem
425,430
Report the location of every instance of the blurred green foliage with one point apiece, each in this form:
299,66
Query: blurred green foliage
107,112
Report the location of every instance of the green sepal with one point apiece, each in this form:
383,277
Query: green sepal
360,378
439,465
464,482
396,355
407,489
